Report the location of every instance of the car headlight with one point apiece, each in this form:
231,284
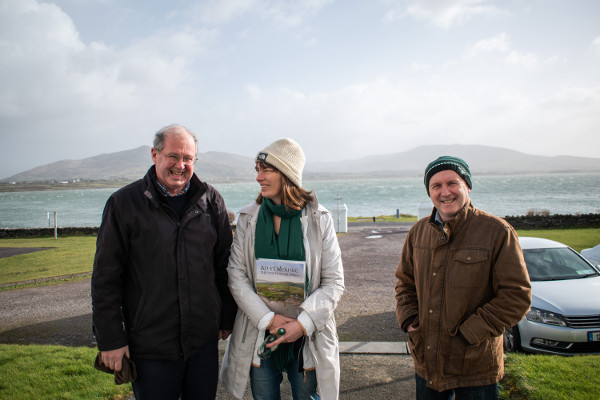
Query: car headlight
545,317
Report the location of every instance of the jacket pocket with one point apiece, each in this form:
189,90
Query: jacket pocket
137,319
415,345
465,359
469,268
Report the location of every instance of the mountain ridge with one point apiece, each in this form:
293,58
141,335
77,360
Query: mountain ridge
222,167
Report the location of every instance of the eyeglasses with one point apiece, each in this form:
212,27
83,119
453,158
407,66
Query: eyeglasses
175,159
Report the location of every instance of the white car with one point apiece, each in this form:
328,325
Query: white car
565,306
592,255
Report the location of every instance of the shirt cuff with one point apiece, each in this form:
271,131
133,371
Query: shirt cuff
306,323
265,320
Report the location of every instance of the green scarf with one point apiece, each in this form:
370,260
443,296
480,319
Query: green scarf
288,245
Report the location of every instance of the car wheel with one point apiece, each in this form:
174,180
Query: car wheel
512,340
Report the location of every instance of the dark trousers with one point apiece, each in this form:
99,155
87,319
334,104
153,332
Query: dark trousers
193,379
488,392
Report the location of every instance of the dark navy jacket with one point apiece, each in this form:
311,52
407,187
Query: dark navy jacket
159,282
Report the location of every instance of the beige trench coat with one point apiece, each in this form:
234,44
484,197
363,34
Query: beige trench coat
324,264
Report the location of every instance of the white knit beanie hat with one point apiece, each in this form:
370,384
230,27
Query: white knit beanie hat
287,156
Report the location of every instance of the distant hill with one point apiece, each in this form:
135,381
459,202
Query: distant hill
482,160
130,165
223,167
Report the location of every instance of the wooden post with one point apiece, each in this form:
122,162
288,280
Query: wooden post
55,225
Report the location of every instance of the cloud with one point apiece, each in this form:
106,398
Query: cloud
80,76
497,44
388,115
595,45
442,13
282,13
91,97
527,60
222,11
501,45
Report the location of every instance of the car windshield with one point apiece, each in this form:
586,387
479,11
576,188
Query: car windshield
556,264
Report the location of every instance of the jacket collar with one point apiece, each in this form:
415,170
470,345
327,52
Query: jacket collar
196,188
457,223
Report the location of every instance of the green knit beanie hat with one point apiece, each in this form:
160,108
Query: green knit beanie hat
455,164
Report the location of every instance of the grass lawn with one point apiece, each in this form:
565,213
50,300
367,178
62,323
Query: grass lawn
65,256
543,377
54,372
577,239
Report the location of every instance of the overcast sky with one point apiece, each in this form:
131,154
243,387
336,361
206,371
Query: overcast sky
345,78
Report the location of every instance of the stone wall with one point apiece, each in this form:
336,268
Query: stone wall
44,232
554,221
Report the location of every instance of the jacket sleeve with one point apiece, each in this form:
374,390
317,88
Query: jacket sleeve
318,308
407,304
240,282
106,285
512,290
221,258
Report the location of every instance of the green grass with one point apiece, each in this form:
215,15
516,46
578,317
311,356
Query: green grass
542,377
67,256
54,372
385,218
577,239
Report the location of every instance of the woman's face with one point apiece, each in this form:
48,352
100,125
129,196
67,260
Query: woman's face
270,182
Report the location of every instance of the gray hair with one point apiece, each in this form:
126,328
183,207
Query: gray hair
159,137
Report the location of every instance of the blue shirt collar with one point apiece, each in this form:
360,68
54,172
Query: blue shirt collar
165,192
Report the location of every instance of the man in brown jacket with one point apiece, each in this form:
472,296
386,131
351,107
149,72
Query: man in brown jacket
461,280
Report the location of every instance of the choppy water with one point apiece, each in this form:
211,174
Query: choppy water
500,195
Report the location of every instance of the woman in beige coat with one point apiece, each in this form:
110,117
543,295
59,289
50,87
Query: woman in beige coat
299,229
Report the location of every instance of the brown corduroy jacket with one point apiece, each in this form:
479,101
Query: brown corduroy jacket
460,286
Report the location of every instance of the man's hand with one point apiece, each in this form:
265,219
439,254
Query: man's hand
113,358
223,335
411,328
293,332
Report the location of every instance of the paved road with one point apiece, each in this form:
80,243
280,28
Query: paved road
61,314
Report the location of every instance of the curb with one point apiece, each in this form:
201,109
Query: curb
374,348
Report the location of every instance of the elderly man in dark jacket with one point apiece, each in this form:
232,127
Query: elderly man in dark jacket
159,285
461,280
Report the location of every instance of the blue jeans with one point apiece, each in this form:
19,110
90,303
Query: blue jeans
194,378
265,382
489,392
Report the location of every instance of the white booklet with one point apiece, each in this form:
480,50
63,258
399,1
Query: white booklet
280,284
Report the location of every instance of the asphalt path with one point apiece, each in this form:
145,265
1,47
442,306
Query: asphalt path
61,314
15,251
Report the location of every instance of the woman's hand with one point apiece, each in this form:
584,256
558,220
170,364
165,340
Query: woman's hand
277,322
293,332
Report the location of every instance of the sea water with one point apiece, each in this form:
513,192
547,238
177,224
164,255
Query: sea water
504,195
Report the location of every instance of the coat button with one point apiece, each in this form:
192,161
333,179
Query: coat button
434,274
469,258
430,311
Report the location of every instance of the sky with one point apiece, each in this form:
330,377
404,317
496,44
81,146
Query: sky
345,78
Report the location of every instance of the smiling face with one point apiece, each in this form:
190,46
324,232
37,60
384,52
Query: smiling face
171,170
270,182
449,193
